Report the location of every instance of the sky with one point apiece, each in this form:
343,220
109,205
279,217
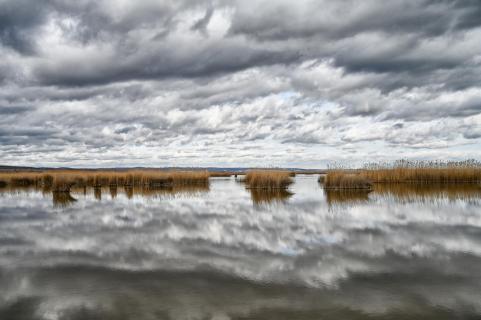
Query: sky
305,83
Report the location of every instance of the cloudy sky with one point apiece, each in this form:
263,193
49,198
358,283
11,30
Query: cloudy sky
238,83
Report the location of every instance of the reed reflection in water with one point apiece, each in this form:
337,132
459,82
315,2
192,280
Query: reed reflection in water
148,192
405,193
267,196
65,199
348,196
62,199
399,192
408,192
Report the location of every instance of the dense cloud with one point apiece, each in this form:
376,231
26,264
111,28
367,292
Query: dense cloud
235,83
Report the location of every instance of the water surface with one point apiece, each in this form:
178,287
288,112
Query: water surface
222,252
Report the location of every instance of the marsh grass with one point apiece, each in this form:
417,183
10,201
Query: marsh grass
64,180
268,179
222,174
403,171
423,175
424,172
340,180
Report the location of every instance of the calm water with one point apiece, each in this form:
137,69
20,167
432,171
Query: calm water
224,253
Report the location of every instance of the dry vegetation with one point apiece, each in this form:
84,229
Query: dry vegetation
268,179
423,175
403,171
64,180
342,180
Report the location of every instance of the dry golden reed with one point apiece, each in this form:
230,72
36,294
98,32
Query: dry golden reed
268,179
342,180
63,180
404,171
424,175
423,172
222,174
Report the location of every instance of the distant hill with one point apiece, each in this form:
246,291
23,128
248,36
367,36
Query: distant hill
16,168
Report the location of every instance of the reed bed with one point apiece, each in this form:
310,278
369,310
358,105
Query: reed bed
422,172
310,172
341,180
63,180
221,174
268,179
423,175
404,171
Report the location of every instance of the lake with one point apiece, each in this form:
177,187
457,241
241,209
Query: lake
224,252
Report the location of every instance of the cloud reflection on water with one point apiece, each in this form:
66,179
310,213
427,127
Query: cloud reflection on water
383,248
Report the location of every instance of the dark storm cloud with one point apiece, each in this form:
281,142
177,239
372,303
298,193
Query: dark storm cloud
18,20
162,75
229,57
281,20
381,37
433,109
268,22
471,13
16,136
12,110
384,64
